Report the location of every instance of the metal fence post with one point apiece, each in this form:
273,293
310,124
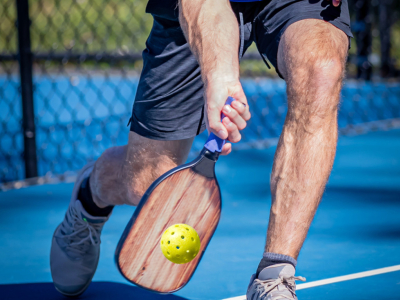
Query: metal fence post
385,24
362,29
25,67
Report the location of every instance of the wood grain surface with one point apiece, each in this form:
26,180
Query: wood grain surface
184,197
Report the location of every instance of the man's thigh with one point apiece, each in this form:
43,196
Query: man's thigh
278,15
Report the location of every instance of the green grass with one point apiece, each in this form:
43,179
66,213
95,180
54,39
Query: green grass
118,26
8,33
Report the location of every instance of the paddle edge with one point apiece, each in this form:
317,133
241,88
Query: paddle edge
205,154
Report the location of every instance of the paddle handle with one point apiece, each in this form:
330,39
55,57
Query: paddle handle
214,143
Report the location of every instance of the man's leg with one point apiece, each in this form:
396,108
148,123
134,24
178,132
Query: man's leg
122,174
311,57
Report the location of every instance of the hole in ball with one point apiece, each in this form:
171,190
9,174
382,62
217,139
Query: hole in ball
173,232
182,237
192,239
169,242
177,247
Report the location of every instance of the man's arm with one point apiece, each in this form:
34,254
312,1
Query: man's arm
212,32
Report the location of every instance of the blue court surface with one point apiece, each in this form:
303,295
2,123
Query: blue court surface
356,229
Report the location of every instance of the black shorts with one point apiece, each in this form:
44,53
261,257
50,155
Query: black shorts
169,102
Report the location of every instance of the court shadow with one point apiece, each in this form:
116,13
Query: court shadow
97,290
383,233
365,195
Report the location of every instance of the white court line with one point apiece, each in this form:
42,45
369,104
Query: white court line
336,279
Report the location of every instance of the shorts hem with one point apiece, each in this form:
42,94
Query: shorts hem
166,136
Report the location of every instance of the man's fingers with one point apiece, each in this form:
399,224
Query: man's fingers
238,113
240,104
234,116
214,121
234,135
242,109
226,149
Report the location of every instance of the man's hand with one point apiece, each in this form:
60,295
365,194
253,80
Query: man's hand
336,2
236,114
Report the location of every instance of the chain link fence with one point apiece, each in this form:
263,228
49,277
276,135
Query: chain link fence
11,139
86,64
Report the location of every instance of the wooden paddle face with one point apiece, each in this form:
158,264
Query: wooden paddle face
183,197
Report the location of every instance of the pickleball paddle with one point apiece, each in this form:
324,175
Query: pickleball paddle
187,194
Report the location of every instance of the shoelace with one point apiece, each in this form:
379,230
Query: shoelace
83,233
265,286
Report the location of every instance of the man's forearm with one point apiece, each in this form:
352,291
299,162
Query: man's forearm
212,32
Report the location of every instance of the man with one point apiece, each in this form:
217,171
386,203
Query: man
191,66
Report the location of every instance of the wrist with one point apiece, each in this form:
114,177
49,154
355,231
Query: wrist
220,76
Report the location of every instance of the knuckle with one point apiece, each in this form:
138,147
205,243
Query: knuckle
232,127
240,111
213,125
233,113
211,106
239,108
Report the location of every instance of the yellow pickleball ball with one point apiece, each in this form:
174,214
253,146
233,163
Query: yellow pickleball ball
180,243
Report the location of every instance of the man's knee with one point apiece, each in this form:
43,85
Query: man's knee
313,53
312,56
325,71
124,173
146,160
315,89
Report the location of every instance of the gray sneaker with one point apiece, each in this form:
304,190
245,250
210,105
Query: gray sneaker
274,283
75,248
